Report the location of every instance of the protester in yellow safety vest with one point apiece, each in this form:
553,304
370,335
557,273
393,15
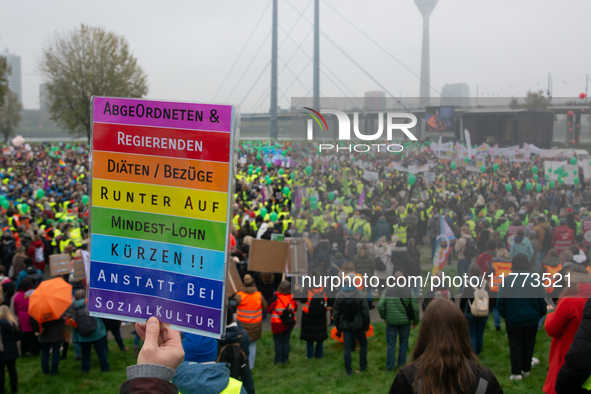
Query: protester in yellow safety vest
76,235
400,232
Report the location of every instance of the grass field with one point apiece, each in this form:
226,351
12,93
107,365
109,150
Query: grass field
326,375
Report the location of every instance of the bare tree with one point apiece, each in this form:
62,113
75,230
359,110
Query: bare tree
4,72
537,100
10,115
86,62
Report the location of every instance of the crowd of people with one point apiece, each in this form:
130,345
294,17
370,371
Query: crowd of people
359,215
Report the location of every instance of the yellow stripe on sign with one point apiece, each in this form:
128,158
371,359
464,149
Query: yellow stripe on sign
198,204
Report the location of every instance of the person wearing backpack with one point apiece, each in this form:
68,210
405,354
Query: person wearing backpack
476,307
251,304
466,250
282,310
37,253
381,229
314,323
398,309
351,316
51,336
89,332
31,272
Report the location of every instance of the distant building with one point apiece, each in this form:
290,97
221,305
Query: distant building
14,79
375,101
43,98
457,94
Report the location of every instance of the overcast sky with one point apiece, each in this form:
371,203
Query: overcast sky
187,48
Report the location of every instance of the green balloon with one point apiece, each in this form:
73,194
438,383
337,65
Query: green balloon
466,160
575,172
24,208
314,204
264,212
250,171
291,176
258,170
313,199
250,167
508,187
308,170
5,204
495,167
40,193
85,199
273,216
412,179
483,168
269,164
529,186
534,169
549,170
453,165
564,174
573,161
561,181
536,177
547,176
539,187
280,172
330,196
258,156
269,181
576,181
286,190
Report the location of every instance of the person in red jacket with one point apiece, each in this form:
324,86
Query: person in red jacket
563,323
484,259
37,253
563,237
281,301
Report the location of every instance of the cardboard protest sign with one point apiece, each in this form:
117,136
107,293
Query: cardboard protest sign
59,264
162,185
587,232
268,256
79,271
233,281
297,258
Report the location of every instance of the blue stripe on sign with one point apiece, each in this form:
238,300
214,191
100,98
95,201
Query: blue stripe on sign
157,255
156,283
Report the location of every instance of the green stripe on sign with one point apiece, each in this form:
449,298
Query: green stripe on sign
161,228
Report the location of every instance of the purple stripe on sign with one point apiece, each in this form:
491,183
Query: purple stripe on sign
142,307
206,117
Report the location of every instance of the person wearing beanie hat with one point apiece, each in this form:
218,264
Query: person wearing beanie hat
562,324
521,303
200,349
249,312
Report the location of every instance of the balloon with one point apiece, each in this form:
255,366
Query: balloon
412,179
534,169
570,113
561,180
539,187
291,176
258,156
550,170
536,177
250,171
25,208
40,193
308,170
250,167
264,212
508,187
269,181
582,95
285,190
483,168
269,164
529,186
453,165
547,176
313,199
495,167
258,170
280,172
564,174
5,204
85,199
273,216
575,172
576,181
466,160
330,196
573,161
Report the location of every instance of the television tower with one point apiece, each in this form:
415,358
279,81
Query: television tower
425,7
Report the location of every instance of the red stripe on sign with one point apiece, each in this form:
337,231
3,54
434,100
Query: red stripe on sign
160,141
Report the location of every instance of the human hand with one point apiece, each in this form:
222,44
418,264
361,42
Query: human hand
549,308
162,345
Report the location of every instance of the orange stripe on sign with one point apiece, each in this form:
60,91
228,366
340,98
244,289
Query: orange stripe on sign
191,174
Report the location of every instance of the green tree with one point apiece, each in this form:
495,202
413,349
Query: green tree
10,115
4,71
537,100
86,62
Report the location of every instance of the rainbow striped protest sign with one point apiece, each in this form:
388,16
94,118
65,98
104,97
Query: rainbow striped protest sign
162,186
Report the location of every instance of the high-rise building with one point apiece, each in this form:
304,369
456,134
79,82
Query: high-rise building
457,94
425,7
14,79
375,101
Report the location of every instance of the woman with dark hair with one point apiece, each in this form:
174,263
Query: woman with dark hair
443,359
476,324
10,335
281,328
314,321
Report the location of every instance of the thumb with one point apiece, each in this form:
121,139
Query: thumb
152,332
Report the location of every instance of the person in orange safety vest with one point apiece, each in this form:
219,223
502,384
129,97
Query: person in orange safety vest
249,312
282,310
